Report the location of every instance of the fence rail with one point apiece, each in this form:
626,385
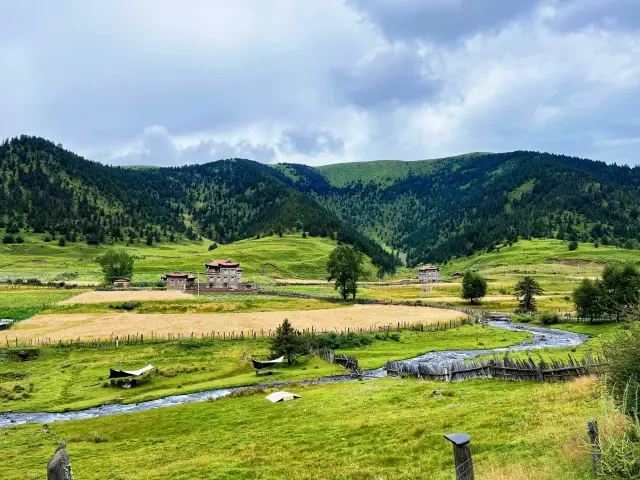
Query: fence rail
505,368
350,363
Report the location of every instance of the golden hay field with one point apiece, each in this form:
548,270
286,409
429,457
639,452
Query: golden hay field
127,296
103,325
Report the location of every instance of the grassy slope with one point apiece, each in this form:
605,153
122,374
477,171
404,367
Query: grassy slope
72,378
21,303
376,429
383,172
287,257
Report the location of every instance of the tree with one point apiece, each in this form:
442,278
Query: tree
287,341
150,240
621,285
213,246
525,291
573,245
62,242
116,264
344,268
474,286
588,298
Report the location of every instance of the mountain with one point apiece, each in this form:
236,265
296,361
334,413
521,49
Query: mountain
48,189
429,211
436,209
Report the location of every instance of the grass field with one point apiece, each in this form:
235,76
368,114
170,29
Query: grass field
382,429
72,377
264,259
21,303
61,326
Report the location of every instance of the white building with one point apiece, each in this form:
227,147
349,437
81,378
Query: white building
428,274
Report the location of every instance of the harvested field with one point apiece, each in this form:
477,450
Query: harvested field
126,296
104,325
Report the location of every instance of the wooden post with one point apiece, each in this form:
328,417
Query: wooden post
594,439
462,455
59,467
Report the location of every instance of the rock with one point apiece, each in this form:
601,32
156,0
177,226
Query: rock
59,467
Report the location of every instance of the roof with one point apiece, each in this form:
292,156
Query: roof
259,364
281,396
221,263
121,279
114,373
426,268
189,276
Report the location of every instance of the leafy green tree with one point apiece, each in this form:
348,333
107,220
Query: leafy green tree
287,341
525,291
474,286
573,245
621,284
116,264
623,368
588,298
344,268
62,242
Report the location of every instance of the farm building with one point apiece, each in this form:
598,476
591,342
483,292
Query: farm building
223,274
456,276
122,283
428,274
178,280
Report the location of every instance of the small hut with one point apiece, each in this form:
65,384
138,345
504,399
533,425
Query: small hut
124,283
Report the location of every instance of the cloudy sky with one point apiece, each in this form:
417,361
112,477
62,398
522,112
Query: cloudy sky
322,81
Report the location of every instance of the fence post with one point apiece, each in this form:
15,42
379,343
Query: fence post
594,439
462,455
59,467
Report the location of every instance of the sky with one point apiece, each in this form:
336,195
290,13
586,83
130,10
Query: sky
159,82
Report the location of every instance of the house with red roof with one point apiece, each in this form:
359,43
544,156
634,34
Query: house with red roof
428,274
178,280
223,274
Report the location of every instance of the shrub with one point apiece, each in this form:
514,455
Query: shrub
573,245
126,306
47,239
623,368
522,318
8,239
62,242
549,318
19,239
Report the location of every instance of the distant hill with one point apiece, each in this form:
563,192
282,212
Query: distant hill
460,205
429,211
45,188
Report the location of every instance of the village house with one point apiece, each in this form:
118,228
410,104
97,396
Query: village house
122,283
178,280
428,274
456,276
223,274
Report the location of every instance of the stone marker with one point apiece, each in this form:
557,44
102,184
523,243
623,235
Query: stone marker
59,467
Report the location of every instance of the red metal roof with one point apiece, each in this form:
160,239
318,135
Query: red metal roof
222,263
427,268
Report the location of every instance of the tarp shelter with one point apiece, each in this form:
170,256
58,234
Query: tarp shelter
113,373
263,364
281,396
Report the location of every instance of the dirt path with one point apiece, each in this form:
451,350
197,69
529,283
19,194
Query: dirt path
103,325
127,296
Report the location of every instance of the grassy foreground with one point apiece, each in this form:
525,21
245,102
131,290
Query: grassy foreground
362,430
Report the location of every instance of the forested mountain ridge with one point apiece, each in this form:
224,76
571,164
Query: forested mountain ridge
469,203
45,188
430,210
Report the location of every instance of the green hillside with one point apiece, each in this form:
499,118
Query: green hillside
290,256
383,172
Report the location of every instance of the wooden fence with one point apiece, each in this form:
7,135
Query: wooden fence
139,338
350,363
505,368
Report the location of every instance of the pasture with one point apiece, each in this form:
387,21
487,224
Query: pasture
377,429
70,326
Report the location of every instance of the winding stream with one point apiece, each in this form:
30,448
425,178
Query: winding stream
543,337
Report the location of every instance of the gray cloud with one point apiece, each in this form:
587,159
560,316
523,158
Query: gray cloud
158,148
396,75
310,142
440,20
617,15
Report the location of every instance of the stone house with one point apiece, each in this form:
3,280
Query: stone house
178,280
428,274
122,283
223,274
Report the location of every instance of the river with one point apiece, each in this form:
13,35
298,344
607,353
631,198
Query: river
543,337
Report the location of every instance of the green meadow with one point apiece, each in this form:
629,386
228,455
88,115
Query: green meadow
263,260
24,302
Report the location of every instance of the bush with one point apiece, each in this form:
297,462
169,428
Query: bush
47,239
19,239
573,245
8,239
62,242
549,318
623,369
522,318
126,306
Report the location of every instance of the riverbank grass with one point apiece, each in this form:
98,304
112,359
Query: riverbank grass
387,428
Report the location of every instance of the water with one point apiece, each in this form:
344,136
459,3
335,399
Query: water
543,337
